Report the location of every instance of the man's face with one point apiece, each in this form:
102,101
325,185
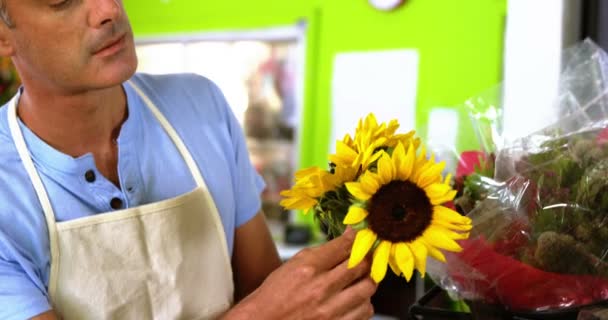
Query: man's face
71,46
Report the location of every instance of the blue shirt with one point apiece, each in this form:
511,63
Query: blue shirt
150,169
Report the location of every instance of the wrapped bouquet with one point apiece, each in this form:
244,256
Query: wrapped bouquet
384,186
539,240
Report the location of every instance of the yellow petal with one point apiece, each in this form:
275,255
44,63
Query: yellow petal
449,215
318,180
437,237
344,174
355,215
379,142
380,262
405,260
377,132
330,181
298,203
405,139
344,154
367,157
392,127
386,171
452,234
347,140
359,160
398,157
455,235
452,226
408,164
363,242
419,251
287,193
417,143
373,157
370,121
369,182
434,252
422,156
340,160
357,191
423,165
363,140
392,262
431,175
447,197
419,168
437,190
344,149
448,179
304,173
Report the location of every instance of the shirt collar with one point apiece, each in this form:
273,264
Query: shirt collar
47,156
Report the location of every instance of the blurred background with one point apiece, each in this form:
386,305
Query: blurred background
298,74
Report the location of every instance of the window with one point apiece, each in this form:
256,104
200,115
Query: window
259,75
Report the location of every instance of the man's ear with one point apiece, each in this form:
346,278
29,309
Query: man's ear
6,45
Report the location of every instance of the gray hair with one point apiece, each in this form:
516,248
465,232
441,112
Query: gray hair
4,14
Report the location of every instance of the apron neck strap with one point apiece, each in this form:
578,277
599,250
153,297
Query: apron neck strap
26,158
41,193
181,147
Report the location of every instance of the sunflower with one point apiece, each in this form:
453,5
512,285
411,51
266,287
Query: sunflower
397,210
370,139
312,184
346,152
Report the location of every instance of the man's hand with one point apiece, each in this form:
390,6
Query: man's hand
254,256
314,284
49,315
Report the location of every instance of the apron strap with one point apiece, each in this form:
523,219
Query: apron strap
196,174
43,197
181,147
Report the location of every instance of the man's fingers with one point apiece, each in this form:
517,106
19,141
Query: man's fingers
341,277
348,299
363,311
334,252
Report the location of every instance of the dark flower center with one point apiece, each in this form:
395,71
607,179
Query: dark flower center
399,212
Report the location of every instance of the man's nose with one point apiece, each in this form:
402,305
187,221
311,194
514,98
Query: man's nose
104,11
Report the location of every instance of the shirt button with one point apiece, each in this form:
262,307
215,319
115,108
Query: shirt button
89,176
116,203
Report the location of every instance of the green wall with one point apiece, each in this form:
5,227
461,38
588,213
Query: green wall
152,17
460,45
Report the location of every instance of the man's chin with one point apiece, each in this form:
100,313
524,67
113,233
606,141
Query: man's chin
118,72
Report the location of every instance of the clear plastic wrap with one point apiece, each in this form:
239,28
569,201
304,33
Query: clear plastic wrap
540,235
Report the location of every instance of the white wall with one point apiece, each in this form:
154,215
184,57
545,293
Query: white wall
536,33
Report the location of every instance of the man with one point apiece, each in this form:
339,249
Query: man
136,199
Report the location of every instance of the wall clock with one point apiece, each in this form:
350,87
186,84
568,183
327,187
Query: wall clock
386,5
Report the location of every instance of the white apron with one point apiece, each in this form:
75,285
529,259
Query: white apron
164,260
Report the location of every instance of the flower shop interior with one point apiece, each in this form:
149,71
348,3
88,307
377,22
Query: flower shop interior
475,79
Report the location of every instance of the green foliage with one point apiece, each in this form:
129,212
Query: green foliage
331,210
571,177
565,199
477,186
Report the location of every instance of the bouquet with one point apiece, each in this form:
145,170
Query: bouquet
539,240
383,185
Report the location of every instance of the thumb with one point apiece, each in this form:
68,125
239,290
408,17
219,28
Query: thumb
349,232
